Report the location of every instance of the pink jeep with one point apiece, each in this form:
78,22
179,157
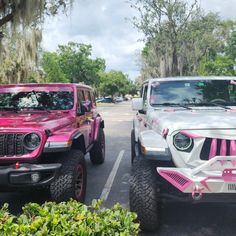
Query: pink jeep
45,131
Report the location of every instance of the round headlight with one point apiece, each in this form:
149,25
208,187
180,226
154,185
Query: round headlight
182,142
31,141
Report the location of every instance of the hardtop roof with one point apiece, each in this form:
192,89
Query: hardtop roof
45,85
180,78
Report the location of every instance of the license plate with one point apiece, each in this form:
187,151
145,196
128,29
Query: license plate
232,187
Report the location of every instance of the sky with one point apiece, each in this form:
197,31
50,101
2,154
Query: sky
104,25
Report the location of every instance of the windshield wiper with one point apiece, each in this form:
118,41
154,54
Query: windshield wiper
212,103
172,105
8,109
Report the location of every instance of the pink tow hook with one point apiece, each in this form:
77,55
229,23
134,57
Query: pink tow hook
197,192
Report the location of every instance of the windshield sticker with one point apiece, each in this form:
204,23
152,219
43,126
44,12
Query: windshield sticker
200,84
155,84
233,82
152,99
187,85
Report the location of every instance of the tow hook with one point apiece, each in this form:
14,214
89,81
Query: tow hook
197,193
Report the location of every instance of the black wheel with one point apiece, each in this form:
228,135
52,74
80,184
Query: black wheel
132,146
72,180
144,194
97,153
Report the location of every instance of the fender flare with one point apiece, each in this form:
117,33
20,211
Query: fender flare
98,123
153,146
78,142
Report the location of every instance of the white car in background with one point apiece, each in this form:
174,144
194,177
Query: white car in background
119,99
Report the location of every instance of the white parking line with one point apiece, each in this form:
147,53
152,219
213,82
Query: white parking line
107,188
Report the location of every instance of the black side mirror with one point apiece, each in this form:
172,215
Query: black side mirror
142,112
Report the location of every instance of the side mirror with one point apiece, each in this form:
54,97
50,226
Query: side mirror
137,104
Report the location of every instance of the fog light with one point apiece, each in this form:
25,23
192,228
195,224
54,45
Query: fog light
35,177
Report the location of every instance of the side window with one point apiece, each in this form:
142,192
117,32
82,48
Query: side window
92,97
145,88
88,100
80,101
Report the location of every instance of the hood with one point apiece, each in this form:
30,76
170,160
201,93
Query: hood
192,119
35,120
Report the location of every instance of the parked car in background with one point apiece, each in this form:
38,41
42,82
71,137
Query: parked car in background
45,132
105,100
183,144
119,99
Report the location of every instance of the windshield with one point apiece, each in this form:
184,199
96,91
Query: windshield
194,92
37,100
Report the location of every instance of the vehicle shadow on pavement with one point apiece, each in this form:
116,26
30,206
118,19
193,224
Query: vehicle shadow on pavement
16,200
205,219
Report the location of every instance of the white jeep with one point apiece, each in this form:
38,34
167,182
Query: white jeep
183,144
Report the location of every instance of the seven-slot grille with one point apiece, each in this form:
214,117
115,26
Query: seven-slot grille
217,147
12,145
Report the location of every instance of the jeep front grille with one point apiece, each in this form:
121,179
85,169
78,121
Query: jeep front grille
12,145
217,147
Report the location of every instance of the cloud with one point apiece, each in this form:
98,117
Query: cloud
103,24
225,8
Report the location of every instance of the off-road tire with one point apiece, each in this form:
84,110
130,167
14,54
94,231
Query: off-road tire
72,180
144,194
132,146
97,153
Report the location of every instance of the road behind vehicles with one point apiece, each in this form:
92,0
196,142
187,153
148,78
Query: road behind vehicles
183,144
45,131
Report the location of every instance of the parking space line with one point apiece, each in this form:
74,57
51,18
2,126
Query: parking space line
107,187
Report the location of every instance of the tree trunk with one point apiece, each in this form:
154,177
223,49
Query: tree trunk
175,71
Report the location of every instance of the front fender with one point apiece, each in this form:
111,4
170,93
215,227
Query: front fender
99,123
154,146
62,140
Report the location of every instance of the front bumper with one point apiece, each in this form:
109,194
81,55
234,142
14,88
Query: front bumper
217,175
27,175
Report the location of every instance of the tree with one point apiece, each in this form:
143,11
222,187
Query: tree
230,49
28,12
220,66
73,63
222,62
20,33
114,82
50,64
177,36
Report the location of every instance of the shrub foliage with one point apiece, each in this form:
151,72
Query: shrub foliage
68,218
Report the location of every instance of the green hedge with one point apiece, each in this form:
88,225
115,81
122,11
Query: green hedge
68,218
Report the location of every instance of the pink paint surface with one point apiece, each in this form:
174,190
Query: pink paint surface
97,124
223,149
165,132
36,87
213,149
169,110
190,135
233,150
229,175
176,179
